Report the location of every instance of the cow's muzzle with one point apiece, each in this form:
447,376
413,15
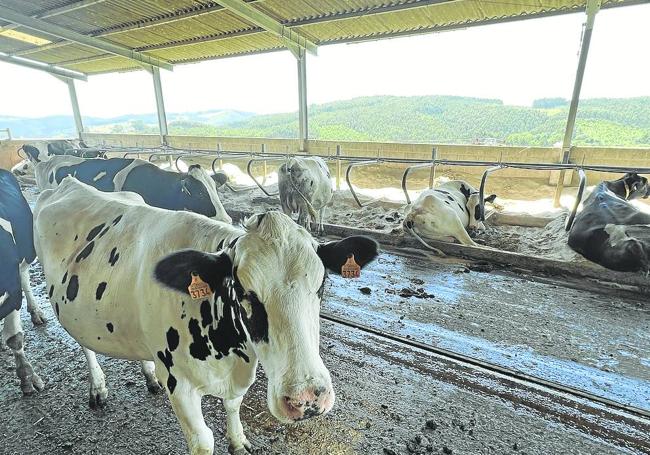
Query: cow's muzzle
311,402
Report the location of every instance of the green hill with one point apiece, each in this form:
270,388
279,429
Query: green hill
448,119
442,119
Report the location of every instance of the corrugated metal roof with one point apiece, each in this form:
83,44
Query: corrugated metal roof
182,31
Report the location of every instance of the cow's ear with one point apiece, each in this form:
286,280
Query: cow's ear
175,271
335,254
220,178
490,198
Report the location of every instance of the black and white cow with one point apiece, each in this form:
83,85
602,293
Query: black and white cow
194,190
612,232
118,275
41,151
16,253
449,210
305,188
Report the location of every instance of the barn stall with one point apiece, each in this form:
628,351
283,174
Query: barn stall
526,349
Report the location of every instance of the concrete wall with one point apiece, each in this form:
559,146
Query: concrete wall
616,156
420,151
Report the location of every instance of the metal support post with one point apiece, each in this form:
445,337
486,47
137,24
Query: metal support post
338,167
160,105
303,123
432,173
592,8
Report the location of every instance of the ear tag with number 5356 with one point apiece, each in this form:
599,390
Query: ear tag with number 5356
351,269
198,288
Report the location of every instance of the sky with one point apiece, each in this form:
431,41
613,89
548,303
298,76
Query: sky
516,62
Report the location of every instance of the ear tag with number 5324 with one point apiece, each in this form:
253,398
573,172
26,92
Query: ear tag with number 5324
351,269
198,288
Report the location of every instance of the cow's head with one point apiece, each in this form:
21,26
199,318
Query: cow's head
275,273
199,192
33,153
299,176
636,186
474,209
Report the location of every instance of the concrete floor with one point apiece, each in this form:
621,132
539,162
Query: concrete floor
391,398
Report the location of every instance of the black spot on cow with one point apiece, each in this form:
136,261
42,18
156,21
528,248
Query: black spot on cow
447,202
101,287
110,327
76,237
73,288
51,178
466,191
56,308
199,348
113,257
258,323
101,234
206,314
85,252
172,339
94,231
233,243
65,278
220,246
51,291
450,198
229,333
117,220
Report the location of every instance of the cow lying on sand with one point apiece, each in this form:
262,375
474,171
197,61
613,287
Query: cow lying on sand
16,253
305,188
195,190
118,275
448,210
612,232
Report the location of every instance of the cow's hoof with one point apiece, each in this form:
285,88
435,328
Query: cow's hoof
154,387
97,398
38,318
31,384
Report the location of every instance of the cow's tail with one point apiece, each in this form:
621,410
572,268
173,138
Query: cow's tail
435,250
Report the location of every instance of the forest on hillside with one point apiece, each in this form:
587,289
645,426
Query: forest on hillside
437,119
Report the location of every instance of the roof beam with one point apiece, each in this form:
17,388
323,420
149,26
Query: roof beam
70,35
294,40
43,67
57,12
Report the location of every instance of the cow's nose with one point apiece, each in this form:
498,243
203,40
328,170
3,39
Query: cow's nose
309,403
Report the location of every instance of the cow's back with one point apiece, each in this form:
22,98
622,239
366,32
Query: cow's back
99,263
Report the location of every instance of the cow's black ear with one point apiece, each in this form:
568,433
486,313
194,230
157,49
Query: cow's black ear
335,254
175,271
490,198
219,178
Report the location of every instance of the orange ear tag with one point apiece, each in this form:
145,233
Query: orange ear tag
351,269
198,288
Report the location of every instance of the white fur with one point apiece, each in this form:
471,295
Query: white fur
311,177
275,258
435,216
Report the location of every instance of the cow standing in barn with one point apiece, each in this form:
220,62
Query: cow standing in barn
305,188
449,210
612,232
203,299
194,190
16,253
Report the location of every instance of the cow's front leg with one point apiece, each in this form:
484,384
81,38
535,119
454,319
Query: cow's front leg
149,371
98,390
239,445
186,403
34,310
12,334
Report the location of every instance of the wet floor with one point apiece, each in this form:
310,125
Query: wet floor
390,398
594,340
